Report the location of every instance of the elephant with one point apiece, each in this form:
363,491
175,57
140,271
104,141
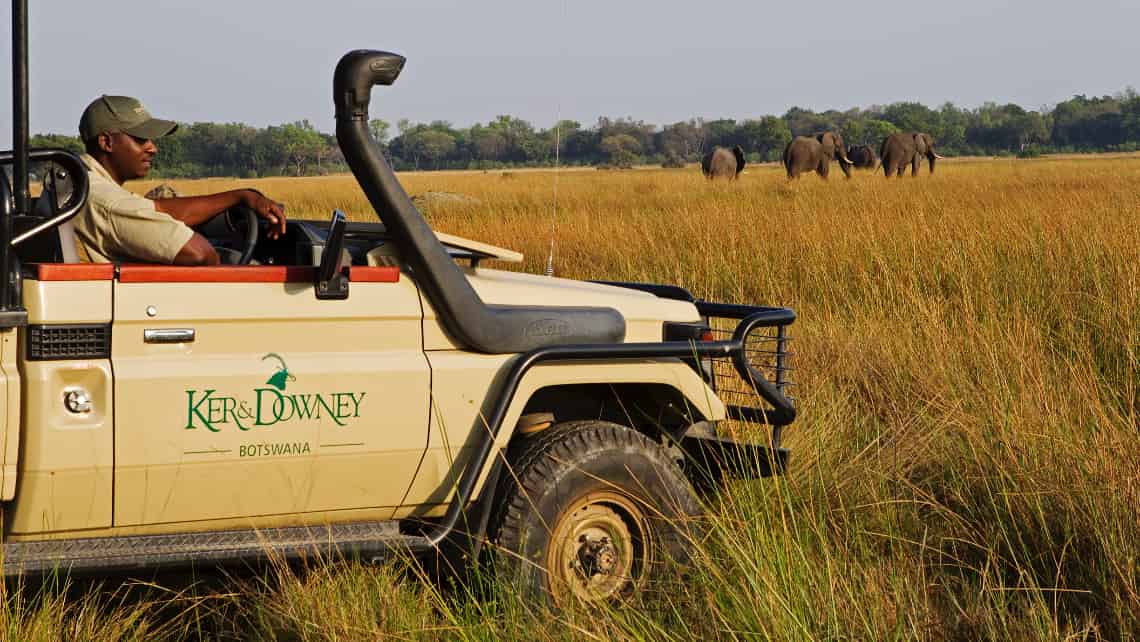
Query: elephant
805,154
862,155
900,150
722,162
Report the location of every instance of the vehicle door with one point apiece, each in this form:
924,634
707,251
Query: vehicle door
239,394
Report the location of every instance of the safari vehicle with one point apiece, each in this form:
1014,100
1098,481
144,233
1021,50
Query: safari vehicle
358,389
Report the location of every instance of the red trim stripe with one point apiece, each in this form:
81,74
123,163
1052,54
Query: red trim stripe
214,274
376,274
246,274
75,271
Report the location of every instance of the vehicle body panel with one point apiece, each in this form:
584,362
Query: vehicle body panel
282,404
66,459
10,414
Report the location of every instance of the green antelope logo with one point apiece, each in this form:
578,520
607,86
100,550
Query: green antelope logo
282,376
269,405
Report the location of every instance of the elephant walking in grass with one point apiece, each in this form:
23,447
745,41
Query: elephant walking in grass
722,162
863,156
806,154
900,150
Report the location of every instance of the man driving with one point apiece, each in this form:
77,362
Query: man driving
117,225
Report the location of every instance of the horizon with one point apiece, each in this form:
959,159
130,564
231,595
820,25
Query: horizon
587,124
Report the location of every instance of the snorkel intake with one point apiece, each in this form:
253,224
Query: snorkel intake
495,329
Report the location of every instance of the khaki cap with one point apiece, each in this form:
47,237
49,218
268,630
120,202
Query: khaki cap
109,114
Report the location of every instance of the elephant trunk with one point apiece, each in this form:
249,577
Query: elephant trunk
932,157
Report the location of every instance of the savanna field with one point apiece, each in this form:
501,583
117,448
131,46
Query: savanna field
966,462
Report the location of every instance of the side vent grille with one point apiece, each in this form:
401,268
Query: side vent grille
79,341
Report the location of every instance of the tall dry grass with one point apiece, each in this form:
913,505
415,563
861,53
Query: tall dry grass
965,465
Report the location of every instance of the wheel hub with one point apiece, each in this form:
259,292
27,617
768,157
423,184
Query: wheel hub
598,550
596,556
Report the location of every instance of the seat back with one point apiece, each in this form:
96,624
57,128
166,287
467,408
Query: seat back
56,245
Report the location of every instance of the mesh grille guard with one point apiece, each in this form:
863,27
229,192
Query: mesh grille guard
757,341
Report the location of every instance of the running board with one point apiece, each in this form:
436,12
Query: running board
366,540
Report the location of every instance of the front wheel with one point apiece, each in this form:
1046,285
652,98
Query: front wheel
592,512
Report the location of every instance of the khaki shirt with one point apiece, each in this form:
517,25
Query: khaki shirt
116,225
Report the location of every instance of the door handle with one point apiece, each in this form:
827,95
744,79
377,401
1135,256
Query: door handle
169,335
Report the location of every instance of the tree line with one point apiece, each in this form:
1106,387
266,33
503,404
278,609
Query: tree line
1080,124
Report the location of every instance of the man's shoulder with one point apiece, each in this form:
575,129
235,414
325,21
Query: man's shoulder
105,194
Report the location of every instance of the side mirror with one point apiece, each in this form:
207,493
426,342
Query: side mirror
331,281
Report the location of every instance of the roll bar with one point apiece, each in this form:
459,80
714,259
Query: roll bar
19,205
79,181
15,200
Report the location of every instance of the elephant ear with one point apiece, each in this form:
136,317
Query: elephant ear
920,143
827,139
739,153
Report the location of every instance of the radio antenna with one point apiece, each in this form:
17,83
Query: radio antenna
554,209
557,157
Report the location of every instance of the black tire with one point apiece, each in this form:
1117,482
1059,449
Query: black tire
589,512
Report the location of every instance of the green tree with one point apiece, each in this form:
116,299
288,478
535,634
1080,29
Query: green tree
913,117
955,122
432,145
805,122
488,144
638,130
767,136
721,131
681,140
298,145
620,149
70,143
875,132
1130,117
519,138
560,134
1007,127
380,130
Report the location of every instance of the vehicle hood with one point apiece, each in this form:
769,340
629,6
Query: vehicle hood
644,313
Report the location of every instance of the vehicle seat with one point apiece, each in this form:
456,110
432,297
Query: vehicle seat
68,243
50,246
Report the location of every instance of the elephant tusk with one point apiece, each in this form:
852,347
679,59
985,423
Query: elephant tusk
937,156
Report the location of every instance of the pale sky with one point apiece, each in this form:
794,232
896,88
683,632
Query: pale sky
266,62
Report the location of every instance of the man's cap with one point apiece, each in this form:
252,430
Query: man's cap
109,114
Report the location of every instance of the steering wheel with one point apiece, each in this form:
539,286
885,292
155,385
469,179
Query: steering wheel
239,226
242,223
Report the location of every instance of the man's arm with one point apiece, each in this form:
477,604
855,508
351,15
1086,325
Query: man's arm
195,210
197,251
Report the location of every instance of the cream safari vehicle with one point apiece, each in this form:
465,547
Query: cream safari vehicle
359,389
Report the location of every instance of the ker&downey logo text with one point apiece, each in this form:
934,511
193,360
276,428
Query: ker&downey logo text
269,406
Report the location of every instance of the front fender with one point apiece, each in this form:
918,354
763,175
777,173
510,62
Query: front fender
464,388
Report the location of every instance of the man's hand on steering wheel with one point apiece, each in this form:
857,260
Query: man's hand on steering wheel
272,211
